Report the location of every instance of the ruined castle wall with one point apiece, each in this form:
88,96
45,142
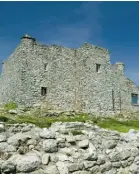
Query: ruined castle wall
10,80
57,76
70,77
123,88
95,88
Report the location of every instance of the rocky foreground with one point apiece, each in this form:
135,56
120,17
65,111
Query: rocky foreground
67,148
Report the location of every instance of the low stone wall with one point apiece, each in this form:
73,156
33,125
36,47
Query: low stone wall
67,148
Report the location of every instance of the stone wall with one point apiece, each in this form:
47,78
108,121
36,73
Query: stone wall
62,150
70,78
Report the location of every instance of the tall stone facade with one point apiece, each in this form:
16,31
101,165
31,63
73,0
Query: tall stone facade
65,79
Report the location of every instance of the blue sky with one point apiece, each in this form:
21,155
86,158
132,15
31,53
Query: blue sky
113,25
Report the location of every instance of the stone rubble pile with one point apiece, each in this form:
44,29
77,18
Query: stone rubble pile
67,148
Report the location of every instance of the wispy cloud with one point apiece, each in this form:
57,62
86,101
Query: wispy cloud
73,34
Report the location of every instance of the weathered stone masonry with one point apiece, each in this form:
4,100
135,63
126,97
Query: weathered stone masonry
80,79
26,149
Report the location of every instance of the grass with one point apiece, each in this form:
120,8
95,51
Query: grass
42,121
121,126
10,106
107,123
76,132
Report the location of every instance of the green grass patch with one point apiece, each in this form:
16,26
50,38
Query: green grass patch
76,132
107,123
10,106
44,121
121,126
3,119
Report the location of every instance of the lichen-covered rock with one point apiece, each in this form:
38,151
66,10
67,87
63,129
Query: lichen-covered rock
83,143
4,146
17,138
45,159
8,167
47,134
28,162
50,145
3,137
62,167
51,169
75,166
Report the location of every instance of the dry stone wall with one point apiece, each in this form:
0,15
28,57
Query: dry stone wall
62,150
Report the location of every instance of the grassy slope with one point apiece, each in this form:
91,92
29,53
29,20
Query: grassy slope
108,123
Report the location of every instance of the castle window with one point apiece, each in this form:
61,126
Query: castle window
46,66
43,91
98,67
134,98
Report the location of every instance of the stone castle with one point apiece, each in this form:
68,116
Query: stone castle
65,79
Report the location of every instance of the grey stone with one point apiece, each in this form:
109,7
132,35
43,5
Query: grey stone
112,171
115,156
4,146
101,159
40,171
51,169
134,151
12,111
134,169
8,167
45,133
63,157
116,164
83,143
45,159
124,171
3,137
17,138
70,139
28,162
75,167
95,169
125,153
50,145
110,144
32,154
106,167
89,164
124,163
62,167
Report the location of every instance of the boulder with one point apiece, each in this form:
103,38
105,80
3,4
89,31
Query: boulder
83,143
12,111
47,134
45,159
28,162
50,145
8,167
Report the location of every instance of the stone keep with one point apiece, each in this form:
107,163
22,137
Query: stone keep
65,79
